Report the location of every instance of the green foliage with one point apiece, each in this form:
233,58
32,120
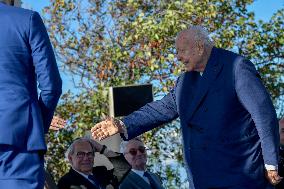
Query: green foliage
108,43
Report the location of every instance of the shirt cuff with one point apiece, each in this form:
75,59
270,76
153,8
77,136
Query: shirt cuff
271,167
124,134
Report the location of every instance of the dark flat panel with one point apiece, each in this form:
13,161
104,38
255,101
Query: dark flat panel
127,99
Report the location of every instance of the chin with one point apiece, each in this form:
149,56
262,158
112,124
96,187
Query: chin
188,69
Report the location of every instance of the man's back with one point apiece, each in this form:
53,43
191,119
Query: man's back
26,57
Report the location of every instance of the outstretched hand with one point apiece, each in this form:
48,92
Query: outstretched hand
106,128
57,123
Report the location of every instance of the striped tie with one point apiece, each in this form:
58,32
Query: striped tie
151,180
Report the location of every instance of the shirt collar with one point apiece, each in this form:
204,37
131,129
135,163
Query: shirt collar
138,172
83,174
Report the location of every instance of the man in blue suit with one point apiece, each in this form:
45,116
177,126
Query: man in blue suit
228,122
26,57
139,177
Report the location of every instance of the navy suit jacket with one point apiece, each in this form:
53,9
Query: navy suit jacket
103,176
134,181
26,60
228,122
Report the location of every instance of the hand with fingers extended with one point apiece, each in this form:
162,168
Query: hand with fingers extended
107,128
57,123
273,177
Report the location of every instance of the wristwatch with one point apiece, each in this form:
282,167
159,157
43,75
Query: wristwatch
103,149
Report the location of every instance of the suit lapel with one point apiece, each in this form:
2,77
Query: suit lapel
81,179
155,181
140,181
212,70
189,83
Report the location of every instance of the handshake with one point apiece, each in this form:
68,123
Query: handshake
104,129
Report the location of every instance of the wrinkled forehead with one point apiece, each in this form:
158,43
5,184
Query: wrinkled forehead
82,146
183,37
134,144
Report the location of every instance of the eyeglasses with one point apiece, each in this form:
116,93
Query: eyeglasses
81,155
134,151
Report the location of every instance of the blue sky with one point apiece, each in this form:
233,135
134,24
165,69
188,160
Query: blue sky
263,10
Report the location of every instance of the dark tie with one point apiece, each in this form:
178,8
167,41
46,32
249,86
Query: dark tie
151,180
95,182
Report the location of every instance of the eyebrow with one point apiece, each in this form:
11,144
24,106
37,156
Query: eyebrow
84,151
137,147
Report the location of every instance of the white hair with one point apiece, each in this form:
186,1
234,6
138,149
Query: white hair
71,148
201,34
123,144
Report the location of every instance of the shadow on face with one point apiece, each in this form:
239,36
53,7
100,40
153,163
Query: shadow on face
136,155
82,159
189,50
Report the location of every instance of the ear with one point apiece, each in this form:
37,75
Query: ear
200,47
70,159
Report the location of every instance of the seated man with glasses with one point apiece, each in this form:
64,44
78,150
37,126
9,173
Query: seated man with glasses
138,178
83,175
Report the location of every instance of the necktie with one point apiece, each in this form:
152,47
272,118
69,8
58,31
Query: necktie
151,180
94,181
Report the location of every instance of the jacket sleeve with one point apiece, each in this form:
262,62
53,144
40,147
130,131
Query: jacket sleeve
49,81
152,115
120,168
254,97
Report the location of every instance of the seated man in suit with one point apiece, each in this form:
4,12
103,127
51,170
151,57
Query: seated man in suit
281,154
82,173
138,178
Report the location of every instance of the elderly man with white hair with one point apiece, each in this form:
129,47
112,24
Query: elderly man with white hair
139,177
228,122
83,174
27,65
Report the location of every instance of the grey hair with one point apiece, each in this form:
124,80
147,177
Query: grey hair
124,144
201,34
17,3
71,148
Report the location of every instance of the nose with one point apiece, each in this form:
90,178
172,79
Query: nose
85,158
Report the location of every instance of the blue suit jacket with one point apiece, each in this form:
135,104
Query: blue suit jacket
134,181
228,122
26,57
